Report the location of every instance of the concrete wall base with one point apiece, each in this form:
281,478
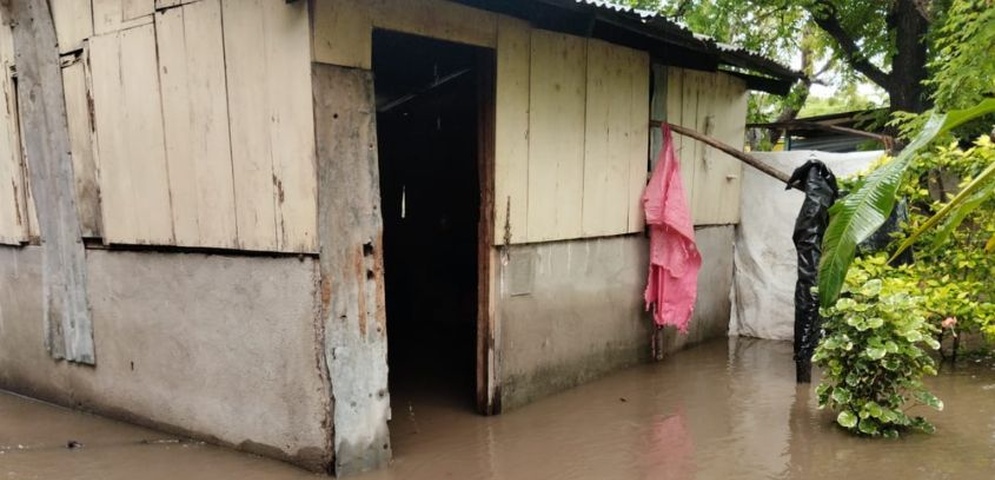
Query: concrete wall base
572,311
220,348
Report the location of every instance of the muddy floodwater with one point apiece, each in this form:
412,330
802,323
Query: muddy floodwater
725,410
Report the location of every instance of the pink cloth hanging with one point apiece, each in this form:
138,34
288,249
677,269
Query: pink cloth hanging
674,258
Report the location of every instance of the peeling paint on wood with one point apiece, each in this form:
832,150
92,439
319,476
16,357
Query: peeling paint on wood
46,146
351,262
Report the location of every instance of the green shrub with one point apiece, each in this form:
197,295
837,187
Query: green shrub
872,357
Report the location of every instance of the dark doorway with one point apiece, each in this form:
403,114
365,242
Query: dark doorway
427,128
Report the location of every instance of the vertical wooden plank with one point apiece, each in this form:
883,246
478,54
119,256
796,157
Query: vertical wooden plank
128,117
46,144
704,199
688,152
486,253
267,48
511,182
246,70
73,23
343,33
116,15
292,124
351,267
195,119
730,128
556,140
13,212
598,125
675,102
34,227
638,138
81,146
609,138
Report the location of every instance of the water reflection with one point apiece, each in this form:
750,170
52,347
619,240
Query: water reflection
725,410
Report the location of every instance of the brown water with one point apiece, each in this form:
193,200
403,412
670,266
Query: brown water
714,412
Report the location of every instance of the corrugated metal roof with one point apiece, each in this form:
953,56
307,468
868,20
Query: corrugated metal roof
668,41
618,8
731,54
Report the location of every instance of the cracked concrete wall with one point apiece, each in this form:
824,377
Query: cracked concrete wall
221,348
572,311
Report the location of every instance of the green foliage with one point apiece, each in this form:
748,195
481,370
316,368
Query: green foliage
976,192
855,217
963,68
846,99
858,215
873,359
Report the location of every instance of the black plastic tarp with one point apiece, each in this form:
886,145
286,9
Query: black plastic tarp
821,191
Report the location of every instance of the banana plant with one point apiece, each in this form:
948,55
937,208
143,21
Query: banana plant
954,212
858,215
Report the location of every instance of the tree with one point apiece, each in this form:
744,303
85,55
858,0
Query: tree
885,42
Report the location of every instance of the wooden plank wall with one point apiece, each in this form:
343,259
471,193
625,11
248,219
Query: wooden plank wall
191,122
558,93
714,104
571,120
76,90
14,219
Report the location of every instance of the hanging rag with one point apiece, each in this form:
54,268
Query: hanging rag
674,259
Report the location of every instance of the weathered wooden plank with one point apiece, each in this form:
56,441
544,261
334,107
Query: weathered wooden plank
351,266
638,138
164,4
486,253
704,201
252,163
267,62
437,19
731,129
608,139
73,23
292,124
46,145
132,9
675,111
116,15
688,151
78,117
134,184
13,212
343,33
556,139
511,131
195,119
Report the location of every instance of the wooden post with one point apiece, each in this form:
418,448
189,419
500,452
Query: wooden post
350,230
45,136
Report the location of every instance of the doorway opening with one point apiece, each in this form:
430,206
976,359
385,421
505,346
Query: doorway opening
428,99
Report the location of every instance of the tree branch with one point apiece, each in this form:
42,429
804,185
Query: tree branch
731,151
826,17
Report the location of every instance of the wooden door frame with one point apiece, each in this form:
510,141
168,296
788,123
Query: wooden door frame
488,391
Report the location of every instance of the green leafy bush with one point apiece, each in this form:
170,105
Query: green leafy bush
954,263
872,356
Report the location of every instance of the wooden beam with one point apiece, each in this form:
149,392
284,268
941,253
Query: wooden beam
732,151
45,136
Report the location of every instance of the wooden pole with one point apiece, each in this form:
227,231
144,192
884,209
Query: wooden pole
45,136
732,151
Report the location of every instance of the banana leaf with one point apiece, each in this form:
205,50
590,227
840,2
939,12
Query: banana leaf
860,214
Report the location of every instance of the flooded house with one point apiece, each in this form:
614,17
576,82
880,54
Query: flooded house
249,221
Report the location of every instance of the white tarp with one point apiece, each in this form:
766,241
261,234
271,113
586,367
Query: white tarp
765,260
